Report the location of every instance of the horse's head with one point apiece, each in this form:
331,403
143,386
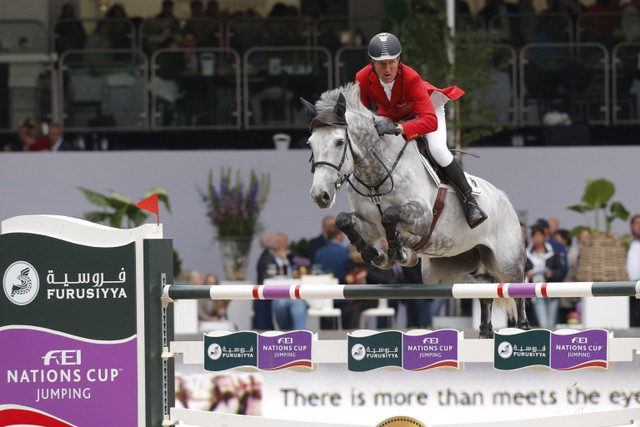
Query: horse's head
330,152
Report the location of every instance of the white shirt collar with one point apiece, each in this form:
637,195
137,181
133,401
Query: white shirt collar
388,88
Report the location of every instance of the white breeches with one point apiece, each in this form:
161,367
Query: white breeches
438,140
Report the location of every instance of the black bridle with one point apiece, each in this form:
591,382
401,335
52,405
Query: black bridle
374,190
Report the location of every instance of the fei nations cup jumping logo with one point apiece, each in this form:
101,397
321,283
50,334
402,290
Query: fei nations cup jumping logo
21,283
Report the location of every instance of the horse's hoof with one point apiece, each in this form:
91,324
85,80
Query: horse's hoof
524,326
383,262
486,335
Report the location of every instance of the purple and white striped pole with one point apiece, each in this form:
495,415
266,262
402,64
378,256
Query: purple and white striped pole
406,291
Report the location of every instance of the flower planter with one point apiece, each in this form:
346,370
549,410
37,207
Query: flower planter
235,256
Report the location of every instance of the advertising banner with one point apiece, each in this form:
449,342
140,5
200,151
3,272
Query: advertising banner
67,332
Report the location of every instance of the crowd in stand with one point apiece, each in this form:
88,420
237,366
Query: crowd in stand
551,257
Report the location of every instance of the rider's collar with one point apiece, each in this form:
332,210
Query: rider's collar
327,117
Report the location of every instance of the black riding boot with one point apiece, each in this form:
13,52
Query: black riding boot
475,216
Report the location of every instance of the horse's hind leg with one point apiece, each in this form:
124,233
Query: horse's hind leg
346,222
412,216
486,328
523,322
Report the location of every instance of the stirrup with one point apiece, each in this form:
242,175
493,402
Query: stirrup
471,206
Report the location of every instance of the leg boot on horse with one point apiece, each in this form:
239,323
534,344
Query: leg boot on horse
472,211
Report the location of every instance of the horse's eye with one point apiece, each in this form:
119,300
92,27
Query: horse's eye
340,142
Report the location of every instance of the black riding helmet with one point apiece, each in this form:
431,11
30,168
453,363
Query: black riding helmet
384,46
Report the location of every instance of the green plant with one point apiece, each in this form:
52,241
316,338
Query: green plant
234,209
117,207
597,199
426,41
299,248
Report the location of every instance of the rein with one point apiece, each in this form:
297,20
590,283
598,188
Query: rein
374,190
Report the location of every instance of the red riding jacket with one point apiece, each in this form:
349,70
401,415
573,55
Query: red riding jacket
410,99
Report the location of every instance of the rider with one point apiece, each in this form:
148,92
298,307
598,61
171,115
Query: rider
402,96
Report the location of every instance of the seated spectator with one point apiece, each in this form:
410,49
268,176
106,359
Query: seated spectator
266,267
32,138
218,308
357,271
289,314
56,137
333,257
202,25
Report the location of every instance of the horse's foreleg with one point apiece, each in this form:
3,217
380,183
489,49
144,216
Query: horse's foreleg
412,216
346,222
486,328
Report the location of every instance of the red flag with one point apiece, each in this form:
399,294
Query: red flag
150,204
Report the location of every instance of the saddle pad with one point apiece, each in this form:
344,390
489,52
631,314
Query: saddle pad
475,189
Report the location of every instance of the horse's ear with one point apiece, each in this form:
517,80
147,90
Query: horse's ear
309,108
341,107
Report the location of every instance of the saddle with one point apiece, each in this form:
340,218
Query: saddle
436,171
441,181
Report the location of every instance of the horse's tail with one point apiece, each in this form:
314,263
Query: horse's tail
509,305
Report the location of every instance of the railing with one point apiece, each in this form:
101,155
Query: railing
23,36
103,89
565,77
275,78
626,83
112,33
153,33
249,85
206,99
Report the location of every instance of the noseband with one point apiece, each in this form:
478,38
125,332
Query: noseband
342,176
374,190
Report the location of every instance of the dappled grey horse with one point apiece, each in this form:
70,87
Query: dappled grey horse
393,197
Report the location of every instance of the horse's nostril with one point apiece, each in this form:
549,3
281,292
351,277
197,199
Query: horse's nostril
325,197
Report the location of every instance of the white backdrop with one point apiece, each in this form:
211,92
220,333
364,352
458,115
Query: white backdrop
541,182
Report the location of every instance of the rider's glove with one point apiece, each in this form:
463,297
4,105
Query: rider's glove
385,127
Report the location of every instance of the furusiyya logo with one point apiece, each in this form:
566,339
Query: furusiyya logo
21,283
358,352
214,351
505,349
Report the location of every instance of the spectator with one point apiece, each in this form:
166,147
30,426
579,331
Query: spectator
333,257
544,264
32,138
218,308
119,28
633,267
265,268
357,271
289,314
204,306
165,22
170,66
318,242
69,32
56,137
16,145
420,312
202,25
557,246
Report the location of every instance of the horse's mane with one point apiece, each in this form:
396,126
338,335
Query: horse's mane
360,118
351,92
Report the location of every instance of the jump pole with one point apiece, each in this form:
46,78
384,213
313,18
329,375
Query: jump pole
403,291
